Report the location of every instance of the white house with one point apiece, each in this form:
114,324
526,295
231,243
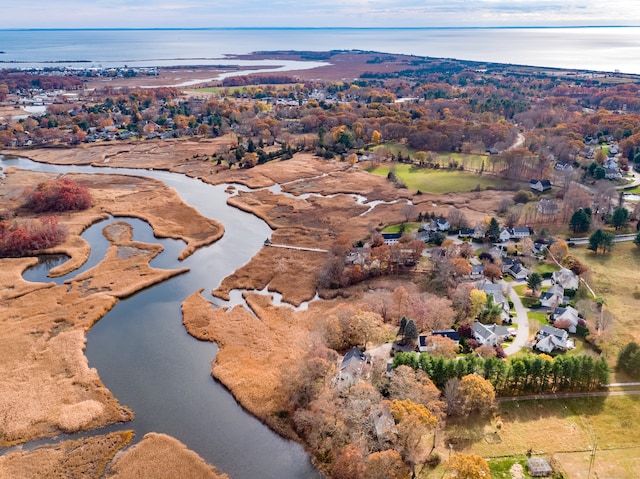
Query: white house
565,278
568,314
490,334
553,296
540,185
505,235
550,338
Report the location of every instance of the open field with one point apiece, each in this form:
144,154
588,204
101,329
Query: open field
565,428
467,160
439,181
612,278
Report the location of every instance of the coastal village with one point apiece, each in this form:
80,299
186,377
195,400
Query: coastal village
452,245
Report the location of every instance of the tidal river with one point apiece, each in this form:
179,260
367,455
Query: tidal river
146,358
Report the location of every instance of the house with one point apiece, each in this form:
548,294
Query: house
384,424
354,365
359,256
553,297
568,314
391,238
477,271
547,207
550,339
538,467
466,233
514,268
519,233
424,341
519,272
505,235
508,263
565,278
540,185
479,232
441,224
490,334
424,236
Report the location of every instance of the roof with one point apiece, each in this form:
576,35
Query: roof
447,333
391,235
539,466
547,330
521,229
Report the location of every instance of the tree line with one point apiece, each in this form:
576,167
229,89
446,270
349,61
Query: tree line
522,375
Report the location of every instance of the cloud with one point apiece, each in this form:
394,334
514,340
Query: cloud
329,13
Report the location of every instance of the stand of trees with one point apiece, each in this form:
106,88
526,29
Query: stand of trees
528,374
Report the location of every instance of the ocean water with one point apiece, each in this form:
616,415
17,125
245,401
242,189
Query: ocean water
589,48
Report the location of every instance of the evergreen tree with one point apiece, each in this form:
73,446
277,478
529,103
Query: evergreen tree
403,324
411,332
629,359
534,282
580,221
620,217
493,233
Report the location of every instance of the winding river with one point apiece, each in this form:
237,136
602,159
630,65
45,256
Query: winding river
149,362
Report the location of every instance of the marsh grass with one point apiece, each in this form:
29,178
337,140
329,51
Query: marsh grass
161,456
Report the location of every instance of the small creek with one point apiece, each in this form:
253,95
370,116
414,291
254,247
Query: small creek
148,361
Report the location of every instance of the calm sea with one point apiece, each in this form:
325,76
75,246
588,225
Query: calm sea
590,48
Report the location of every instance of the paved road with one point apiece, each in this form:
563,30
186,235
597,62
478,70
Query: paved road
521,320
616,239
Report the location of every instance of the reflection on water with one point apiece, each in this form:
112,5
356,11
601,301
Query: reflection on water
149,362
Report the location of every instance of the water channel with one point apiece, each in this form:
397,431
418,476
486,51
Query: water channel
148,361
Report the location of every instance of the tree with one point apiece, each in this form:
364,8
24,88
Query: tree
349,464
457,219
478,302
58,195
620,217
409,211
493,233
385,464
477,395
410,332
413,422
376,137
636,240
534,282
629,359
559,250
461,267
601,241
580,221
469,466
491,312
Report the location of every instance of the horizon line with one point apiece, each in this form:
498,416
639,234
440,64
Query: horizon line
495,27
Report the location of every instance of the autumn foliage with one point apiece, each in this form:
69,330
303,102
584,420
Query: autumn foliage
58,195
20,238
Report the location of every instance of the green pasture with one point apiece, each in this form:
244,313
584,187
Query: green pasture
439,181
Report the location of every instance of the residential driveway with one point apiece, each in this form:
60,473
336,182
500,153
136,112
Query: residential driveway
521,320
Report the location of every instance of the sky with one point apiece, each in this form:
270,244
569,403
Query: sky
310,13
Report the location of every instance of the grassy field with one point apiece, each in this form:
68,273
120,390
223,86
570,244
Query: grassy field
538,316
615,278
408,228
439,181
468,160
501,467
566,429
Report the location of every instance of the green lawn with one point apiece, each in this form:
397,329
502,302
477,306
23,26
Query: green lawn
543,268
538,316
501,467
439,181
468,160
408,228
